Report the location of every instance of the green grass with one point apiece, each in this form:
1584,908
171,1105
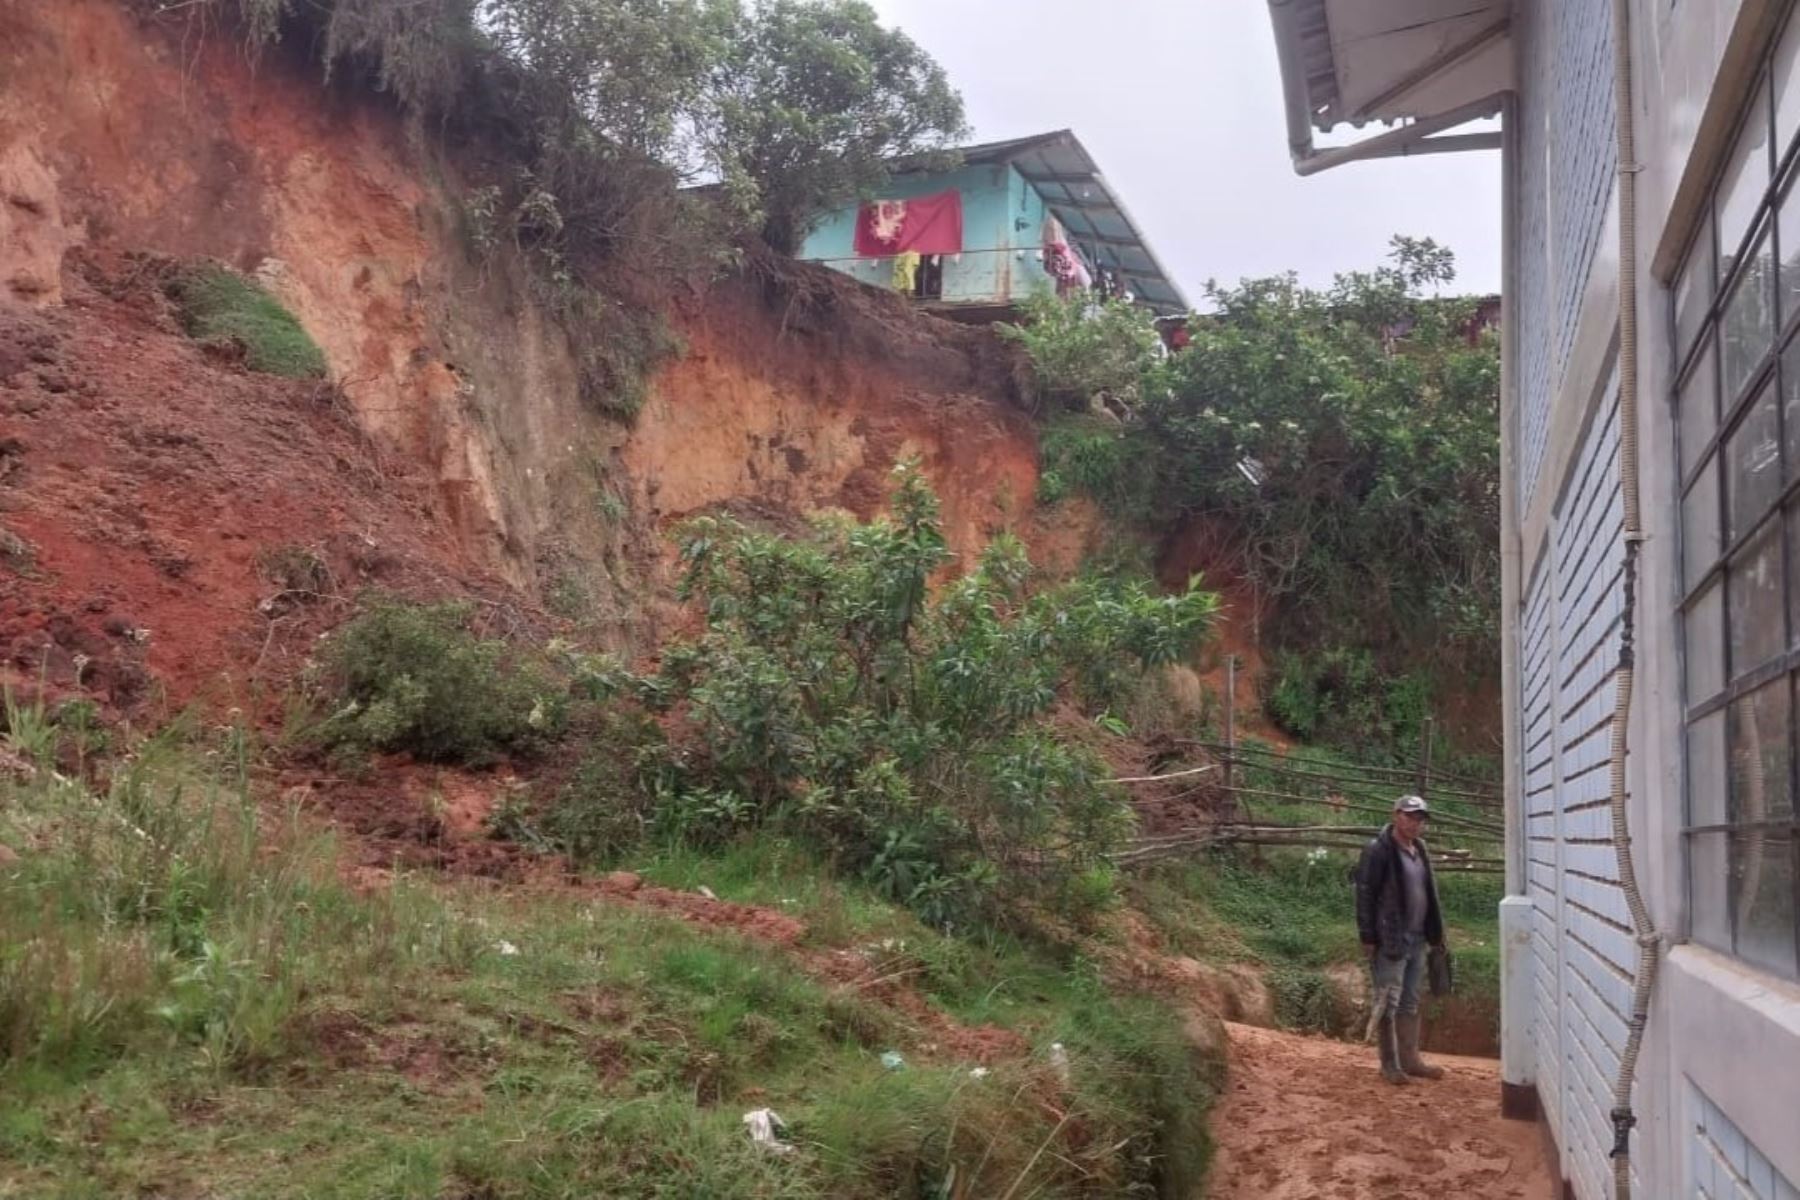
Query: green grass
193,1003
218,303
1294,913
1297,915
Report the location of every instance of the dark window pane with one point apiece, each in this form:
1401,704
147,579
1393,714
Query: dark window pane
1787,87
1753,464
1747,322
1789,236
1709,889
1793,602
1790,409
1762,897
1694,292
1757,736
1700,526
1706,645
1746,178
1706,770
1699,409
1757,614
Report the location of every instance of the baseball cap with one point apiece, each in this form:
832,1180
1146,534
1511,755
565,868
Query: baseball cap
1412,804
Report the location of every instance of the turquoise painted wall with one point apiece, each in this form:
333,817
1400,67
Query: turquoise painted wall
1003,221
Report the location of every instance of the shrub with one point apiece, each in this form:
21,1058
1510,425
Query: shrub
1358,468
1342,443
1081,454
216,303
1081,348
1340,696
606,806
297,569
1305,999
910,732
412,677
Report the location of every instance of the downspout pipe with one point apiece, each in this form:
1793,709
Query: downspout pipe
1644,929
1410,139
1512,566
1284,15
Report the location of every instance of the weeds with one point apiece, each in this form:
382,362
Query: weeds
1340,696
1083,454
1294,913
1079,350
162,908
188,992
30,733
215,303
604,808
412,677
16,553
297,569
1305,999
1131,1068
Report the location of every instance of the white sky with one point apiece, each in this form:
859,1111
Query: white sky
1180,103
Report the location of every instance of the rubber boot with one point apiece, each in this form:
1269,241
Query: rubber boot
1407,1026
1388,1039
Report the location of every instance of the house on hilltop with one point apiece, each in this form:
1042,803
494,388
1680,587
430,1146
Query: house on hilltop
1707,585
1015,218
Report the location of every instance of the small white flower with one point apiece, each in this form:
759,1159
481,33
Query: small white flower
506,949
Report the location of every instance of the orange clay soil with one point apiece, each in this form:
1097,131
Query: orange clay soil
1306,1118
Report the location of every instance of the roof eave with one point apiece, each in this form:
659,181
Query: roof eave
1304,53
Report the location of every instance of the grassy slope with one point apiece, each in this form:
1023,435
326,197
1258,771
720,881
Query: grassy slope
192,1003
1297,917
1295,912
216,303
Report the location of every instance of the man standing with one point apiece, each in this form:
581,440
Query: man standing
1397,916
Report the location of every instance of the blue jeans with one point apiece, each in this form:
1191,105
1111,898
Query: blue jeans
1400,976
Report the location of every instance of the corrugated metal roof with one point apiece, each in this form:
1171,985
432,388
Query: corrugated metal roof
1388,60
1066,176
1319,63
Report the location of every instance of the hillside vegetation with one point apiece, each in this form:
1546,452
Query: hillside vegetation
429,894
1342,445
193,1002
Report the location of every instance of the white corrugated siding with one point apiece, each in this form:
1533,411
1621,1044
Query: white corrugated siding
1722,1164
1583,950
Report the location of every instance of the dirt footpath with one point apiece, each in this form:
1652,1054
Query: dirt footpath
1307,1118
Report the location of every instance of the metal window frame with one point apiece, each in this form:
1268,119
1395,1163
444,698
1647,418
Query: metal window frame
1783,510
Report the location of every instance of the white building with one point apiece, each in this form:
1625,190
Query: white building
1710,771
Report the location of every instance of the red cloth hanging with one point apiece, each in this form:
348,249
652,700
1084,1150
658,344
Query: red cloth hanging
923,224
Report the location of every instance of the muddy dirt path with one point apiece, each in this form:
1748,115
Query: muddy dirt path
1307,1118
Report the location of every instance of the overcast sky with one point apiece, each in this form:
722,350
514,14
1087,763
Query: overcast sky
1180,103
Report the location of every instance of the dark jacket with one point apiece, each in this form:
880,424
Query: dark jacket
1381,897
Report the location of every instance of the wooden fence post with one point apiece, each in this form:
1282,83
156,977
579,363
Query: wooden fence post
1424,757
1231,734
